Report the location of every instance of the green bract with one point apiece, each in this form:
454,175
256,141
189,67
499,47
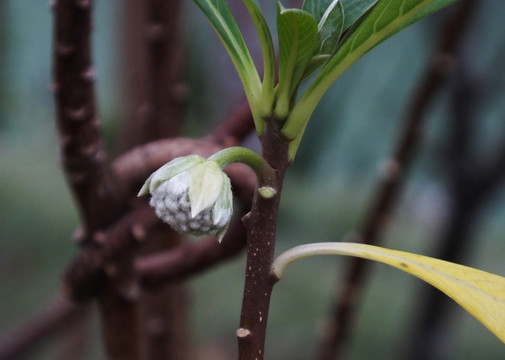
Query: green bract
193,195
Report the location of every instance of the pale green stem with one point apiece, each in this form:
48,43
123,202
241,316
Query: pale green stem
266,175
302,251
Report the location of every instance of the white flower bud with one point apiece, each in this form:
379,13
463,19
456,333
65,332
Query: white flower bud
192,195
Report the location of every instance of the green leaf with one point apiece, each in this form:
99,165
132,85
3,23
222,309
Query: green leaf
267,49
317,8
330,17
298,42
222,20
315,63
354,9
330,27
433,8
384,20
480,293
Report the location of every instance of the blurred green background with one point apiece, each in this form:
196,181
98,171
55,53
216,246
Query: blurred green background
326,194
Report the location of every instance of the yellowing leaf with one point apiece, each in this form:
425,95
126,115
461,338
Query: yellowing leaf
481,293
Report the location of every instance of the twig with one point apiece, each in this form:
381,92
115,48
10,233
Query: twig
340,322
50,320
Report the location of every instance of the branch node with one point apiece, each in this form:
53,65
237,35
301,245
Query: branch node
65,50
130,293
155,33
83,4
78,115
88,75
100,238
139,232
242,333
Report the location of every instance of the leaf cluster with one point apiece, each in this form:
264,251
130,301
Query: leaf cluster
324,35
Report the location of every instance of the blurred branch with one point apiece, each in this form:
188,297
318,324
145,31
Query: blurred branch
441,64
190,258
235,127
135,166
84,276
152,63
74,343
154,97
473,176
99,197
83,156
50,320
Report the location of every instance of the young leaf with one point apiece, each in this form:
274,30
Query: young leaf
267,49
222,20
298,42
316,8
354,9
383,21
330,27
480,293
330,17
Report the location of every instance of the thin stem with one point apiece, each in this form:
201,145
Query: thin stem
266,175
234,154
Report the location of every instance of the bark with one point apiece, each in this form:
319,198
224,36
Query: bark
82,153
153,67
261,226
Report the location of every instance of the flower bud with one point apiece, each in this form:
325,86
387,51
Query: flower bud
192,195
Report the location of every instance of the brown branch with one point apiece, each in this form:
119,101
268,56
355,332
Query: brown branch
235,127
74,342
152,63
341,319
190,258
51,320
84,277
154,95
261,225
134,167
82,153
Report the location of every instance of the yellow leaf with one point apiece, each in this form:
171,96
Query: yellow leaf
481,293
